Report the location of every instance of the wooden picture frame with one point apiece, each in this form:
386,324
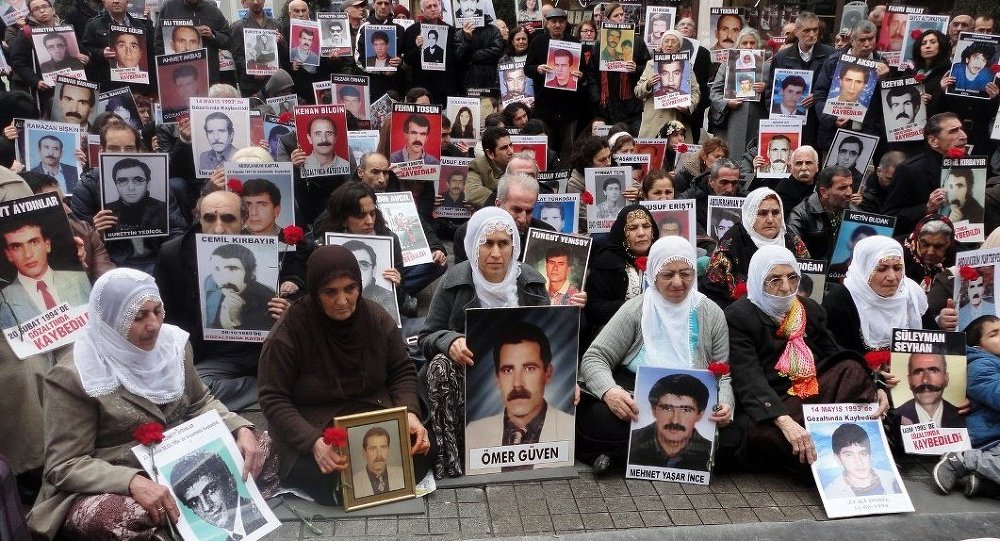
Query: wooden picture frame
359,490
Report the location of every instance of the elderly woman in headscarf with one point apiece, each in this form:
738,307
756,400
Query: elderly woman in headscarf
875,298
763,224
491,278
736,120
669,325
929,249
653,119
783,355
128,368
333,353
616,269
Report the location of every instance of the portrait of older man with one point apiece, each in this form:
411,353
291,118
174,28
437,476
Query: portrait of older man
49,162
522,363
184,39
135,208
75,104
678,402
973,301
204,484
234,299
779,149
416,130
324,160
368,262
927,375
377,476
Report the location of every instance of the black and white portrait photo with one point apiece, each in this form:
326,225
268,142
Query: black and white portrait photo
135,189
374,255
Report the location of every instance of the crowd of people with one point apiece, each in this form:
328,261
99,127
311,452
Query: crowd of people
650,298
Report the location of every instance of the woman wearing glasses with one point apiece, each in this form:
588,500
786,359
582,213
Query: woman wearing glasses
671,325
782,356
763,224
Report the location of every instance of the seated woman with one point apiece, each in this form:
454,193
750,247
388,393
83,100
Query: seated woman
352,209
876,297
615,271
652,329
693,167
127,369
782,355
763,225
929,249
333,353
492,278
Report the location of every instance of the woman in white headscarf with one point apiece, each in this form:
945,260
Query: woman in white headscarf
128,368
782,355
491,278
875,298
669,325
763,224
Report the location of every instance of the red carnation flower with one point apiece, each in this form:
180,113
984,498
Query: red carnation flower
920,77
286,117
916,33
739,291
292,234
773,44
234,185
587,198
968,273
877,359
640,263
335,436
955,152
995,68
719,368
148,433
682,148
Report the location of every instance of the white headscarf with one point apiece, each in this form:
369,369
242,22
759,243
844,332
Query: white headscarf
750,207
765,259
879,315
484,223
666,326
104,357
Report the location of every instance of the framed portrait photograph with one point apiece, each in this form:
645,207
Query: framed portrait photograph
374,255
134,187
380,469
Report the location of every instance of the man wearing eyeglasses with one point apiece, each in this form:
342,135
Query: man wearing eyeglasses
678,402
136,209
229,369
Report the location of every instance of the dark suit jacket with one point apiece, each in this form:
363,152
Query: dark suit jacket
645,451
434,54
949,417
68,172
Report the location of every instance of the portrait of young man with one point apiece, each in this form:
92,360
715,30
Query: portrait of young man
36,287
306,47
432,51
375,475
903,103
552,214
522,366
614,200
793,88
74,104
852,448
48,161
562,71
128,51
558,271
204,484
380,46
454,196
961,204
853,80
262,200
678,402
135,208
56,46
234,299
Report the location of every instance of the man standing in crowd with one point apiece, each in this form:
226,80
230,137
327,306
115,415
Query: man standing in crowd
806,54
817,218
916,187
440,84
257,18
96,43
723,179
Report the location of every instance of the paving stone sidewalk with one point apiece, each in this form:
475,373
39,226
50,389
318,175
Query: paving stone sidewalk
610,503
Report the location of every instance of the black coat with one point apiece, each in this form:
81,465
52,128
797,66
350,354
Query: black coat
440,84
754,348
478,56
551,105
912,183
96,36
842,318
